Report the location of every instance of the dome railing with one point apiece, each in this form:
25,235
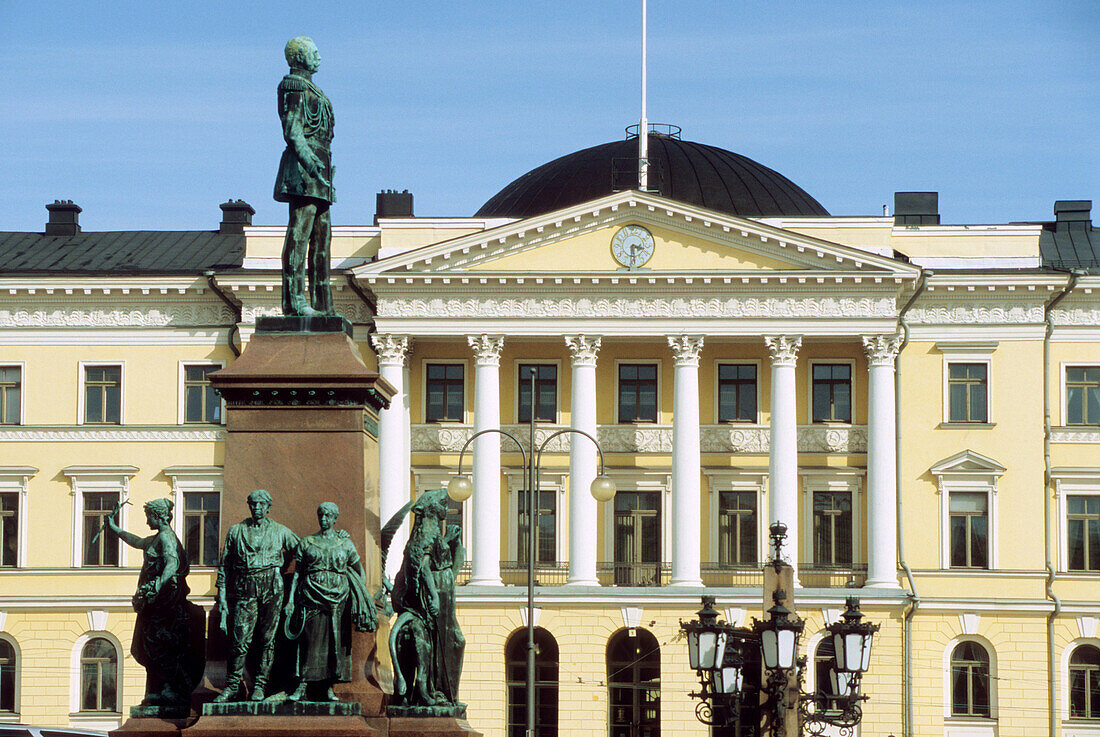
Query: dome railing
664,130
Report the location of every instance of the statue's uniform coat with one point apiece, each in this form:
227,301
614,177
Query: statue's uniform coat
304,109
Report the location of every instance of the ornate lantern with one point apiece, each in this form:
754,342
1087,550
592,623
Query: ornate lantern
852,646
706,638
779,635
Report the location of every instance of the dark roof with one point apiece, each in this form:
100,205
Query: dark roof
162,251
690,172
1070,242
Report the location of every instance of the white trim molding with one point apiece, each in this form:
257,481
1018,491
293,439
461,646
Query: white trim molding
967,472
91,720
968,352
17,479
1071,482
81,398
845,480
112,479
955,726
1076,728
742,480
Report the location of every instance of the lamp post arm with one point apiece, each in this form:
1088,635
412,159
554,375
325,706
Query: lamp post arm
566,431
505,433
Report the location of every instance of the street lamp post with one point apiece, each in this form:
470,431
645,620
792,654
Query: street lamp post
602,489
722,654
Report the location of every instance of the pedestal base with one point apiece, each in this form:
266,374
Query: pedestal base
151,727
283,708
431,727
214,725
303,324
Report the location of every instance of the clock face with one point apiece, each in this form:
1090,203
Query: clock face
632,246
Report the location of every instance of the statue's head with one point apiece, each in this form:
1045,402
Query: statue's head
259,503
327,514
432,504
159,509
302,53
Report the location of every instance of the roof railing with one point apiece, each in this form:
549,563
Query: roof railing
665,130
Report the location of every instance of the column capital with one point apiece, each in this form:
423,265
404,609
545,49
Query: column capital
487,348
583,349
881,349
685,349
783,348
392,350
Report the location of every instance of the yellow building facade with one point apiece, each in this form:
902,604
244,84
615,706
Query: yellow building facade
919,403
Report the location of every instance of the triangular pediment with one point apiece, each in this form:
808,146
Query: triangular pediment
968,462
686,239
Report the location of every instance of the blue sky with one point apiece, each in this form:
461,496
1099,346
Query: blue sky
149,115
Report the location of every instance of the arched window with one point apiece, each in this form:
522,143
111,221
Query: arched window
99,676
546,683
1084,683
634,679
9,664
824,663
970,681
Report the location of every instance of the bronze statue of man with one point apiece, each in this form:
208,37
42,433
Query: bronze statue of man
250,593
305,182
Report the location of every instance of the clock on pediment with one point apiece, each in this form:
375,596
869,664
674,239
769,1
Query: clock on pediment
632,246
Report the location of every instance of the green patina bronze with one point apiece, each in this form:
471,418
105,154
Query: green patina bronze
250,594
426,643
304,182
168,635
328,599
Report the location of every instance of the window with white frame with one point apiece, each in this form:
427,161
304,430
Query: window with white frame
99,684
101,394
832,508
196,496
1083,687
637,529
967,485
1082,395
548,530
971,681
11,394
9,677
545,391
14,483
967,382
1078,494
199,403
95,492
831,391
737,534
637,390
444,392
737,392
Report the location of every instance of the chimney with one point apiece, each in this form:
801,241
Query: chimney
916,208
64,218
236,214
1072,214
393,204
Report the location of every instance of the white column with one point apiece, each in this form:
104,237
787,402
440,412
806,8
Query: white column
882,493
686,462
783,444
582,461
395,461
485,526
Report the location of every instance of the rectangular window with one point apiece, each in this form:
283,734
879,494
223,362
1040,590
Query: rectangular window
1083,533
200,402
1083,395
100,544
736,392
832,529
103,394
637,392
637,538
967,392
832,392
969,525
546,392
11,387
737,528
200,526
545,538
9,529
446,383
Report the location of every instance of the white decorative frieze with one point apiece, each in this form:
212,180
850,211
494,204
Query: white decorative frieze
84,434
636,308
82,314
974,313
657,439
583,349
1074,435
